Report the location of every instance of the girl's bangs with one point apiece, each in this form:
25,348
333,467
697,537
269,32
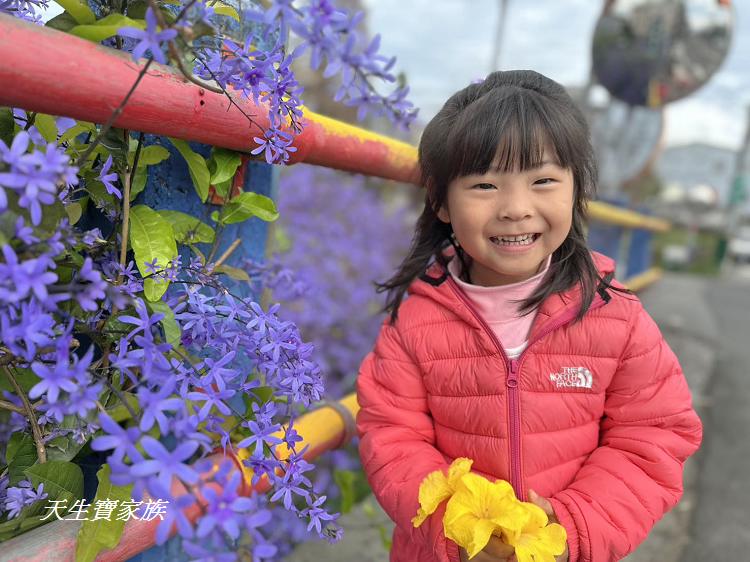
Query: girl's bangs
506,133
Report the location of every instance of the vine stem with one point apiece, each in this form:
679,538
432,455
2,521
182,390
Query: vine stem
115,114
41,452
12,407
126,206
225,256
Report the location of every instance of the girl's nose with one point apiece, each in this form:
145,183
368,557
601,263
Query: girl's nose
515,207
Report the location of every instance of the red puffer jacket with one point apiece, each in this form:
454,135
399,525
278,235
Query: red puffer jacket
595,415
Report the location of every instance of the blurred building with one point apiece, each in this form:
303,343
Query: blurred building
695,164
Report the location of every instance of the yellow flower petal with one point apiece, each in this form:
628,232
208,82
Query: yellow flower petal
536,543
436,488
433,490
420,517
458,468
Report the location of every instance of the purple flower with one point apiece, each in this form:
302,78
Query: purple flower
18,497
107,179
153,267
150,39
91,286
224,508
94,237
317,514
143,322
276,145
122,441
164,465
25,233
12,157
18,279
61,377
25,330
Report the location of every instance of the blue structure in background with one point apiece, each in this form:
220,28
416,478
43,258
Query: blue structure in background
629,247
169,186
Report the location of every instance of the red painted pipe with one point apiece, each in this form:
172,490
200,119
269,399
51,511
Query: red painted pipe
48,71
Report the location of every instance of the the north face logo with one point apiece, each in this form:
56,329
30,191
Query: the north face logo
572,377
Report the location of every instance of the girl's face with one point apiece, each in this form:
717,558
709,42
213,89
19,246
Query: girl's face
510,222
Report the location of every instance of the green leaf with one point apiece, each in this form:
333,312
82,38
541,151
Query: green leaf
247,205
74,211
79,10
7,125
227,162
77,129
106,27
26,379
21,454
63,448
114,140
138,182
119,411
47,126
104,533
150,155
151,237
62,22
196,166
188,229
225,10
345,481
172,330
62,480
222,189
233,272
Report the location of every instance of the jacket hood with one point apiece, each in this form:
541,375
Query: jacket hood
437,285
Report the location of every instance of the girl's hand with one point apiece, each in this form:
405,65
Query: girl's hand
495,551
547,507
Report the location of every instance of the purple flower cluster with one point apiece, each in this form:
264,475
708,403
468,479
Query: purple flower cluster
188,392
30,10
325,277
14,498
266,75
34,176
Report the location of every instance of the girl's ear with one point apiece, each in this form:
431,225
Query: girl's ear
442,214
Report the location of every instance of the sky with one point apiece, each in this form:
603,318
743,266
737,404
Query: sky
442,45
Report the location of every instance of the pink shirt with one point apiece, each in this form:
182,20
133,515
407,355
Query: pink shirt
496,306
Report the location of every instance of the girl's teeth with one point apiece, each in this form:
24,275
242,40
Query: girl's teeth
514,240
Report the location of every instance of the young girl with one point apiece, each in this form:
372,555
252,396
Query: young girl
514,347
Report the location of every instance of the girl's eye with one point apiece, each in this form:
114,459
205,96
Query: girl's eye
483,186
544,181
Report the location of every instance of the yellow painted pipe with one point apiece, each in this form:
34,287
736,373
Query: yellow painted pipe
642,280
322,429
604,212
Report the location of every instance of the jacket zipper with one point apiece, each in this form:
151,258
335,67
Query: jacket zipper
513,367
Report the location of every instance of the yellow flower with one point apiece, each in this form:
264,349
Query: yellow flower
479,508
536,541
436,488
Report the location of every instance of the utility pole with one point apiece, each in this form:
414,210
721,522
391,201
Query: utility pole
499,29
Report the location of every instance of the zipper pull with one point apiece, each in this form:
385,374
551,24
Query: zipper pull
512,380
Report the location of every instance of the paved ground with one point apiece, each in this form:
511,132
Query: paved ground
720,528
686,309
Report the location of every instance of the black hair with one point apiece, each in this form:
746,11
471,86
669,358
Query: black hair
508,119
